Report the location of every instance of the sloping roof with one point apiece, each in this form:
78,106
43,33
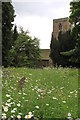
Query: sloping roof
45,54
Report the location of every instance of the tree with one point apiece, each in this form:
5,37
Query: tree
25,51
64,43
75,20
54,53
7,19
15,34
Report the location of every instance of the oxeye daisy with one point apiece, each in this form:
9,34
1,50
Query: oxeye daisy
7,95
69,115
5,108
4,116
19,116
18,105
37,107
27,116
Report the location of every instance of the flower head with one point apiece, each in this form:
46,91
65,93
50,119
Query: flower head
4,116
30,113
47,104
54,98
18,116
28,116
64,101
5,108
18,105
7,95
12,111
37,107
69,115
8,100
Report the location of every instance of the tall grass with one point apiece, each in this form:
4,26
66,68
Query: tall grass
48,92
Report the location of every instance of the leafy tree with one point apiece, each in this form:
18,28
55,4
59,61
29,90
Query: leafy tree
75,20
25,51
7,19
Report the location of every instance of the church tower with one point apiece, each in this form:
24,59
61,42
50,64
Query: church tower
61,24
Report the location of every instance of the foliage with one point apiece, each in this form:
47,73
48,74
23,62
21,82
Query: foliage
7,19
75,20
25,51
54,53
65,42
15,34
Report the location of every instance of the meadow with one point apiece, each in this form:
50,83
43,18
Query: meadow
46,93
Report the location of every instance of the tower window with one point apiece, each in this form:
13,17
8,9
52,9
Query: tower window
60,27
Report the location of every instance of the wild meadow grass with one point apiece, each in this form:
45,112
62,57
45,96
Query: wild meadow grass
47,93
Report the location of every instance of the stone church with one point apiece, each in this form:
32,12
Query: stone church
61,24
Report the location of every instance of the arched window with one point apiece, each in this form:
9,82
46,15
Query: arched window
60,27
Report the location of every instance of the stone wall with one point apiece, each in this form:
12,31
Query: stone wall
45,59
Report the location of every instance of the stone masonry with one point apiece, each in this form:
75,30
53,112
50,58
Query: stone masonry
61,24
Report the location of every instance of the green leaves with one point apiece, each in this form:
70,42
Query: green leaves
75,19
60,47
25,51
7,19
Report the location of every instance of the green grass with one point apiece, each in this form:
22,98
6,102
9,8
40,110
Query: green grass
58,98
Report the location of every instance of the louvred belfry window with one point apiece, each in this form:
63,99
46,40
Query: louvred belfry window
60,27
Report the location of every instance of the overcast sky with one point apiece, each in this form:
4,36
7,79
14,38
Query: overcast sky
37,17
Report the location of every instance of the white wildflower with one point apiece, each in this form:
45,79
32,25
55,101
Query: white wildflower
8,100
12,116
8,104
19,93
71,92
49,91
18,116
62,88
4,116
39,90
12,88
30,113
5,108
69,114
15,109
37,107
24,93
64,101
54,98
12,111
18,105
20,113
69,96
7,95
36,87
47,104
33,89
38,95
28,116
23,98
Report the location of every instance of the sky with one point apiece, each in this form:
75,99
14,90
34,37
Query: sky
37,16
